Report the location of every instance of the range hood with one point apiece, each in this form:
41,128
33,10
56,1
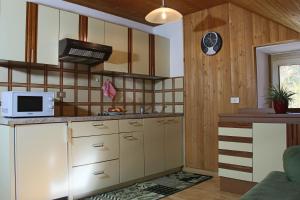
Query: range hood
76,51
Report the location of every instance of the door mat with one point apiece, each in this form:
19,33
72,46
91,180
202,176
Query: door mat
154,189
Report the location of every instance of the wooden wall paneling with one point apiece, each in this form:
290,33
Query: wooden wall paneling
31,32
206,77
211,81
293,135
243,72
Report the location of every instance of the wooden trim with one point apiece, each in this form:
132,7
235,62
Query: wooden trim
83,28
235,186
293,134
235,139
235,125
243,154
152,55
129,50
31,32
236,167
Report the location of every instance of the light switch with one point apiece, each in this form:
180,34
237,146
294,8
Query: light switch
235,100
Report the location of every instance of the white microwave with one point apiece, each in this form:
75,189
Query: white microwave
27,104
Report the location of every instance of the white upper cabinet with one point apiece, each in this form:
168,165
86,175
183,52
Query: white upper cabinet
162,56
117,37
140,52
48,35
69,25
13,28
95,31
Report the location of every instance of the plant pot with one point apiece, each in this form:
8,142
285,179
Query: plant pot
280,107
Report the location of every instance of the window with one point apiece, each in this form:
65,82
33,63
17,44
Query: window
289,77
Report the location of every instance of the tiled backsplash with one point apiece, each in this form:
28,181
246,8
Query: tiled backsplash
83,89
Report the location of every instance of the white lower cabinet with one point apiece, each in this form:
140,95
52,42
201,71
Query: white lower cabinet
173,143
41,161
90,178
269,143
154,145
131,156
163,140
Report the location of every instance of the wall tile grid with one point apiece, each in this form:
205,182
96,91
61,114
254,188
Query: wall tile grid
83,93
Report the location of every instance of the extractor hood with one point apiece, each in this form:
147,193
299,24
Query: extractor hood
76,51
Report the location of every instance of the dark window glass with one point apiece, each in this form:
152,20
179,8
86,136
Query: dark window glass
30,104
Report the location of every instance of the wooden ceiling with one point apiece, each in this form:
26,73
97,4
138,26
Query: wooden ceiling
286,12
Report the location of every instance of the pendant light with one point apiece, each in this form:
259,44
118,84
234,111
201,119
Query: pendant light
163,15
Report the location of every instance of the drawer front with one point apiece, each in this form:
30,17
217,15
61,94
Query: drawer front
131,125
94,128
235,153
90,178
87,150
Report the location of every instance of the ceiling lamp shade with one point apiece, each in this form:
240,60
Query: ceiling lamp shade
163,15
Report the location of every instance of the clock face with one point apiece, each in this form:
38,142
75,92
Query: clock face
211,43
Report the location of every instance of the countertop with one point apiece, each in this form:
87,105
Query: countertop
261,118
45,120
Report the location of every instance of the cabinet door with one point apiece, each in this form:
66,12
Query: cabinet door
140,52
131,156
69,25
173,143
41,161
13,28
154,146
95,31
48,34
269,143
117,37
162,56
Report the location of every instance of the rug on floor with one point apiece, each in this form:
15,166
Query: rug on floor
154,189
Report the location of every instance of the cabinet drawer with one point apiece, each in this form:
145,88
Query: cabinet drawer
130,125
90,178
87,150
94,128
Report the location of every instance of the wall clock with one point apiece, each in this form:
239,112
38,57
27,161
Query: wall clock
211,43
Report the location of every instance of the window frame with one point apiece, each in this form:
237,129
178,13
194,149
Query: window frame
291,110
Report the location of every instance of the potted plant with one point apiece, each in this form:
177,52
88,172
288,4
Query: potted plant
280,97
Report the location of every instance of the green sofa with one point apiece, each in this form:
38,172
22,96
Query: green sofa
280,185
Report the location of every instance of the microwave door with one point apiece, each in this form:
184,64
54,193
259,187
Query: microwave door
29,104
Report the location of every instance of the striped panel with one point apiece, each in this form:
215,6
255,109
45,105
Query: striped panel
236,167
235,125
236,139
237,132
235,146
235,174
235,160
243,154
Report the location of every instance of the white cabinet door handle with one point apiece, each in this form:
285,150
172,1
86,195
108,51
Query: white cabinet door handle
98,173
98,145
131,138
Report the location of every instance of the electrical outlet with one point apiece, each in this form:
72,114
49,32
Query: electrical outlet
235,100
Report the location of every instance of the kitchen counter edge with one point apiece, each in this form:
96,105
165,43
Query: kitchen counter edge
46,120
